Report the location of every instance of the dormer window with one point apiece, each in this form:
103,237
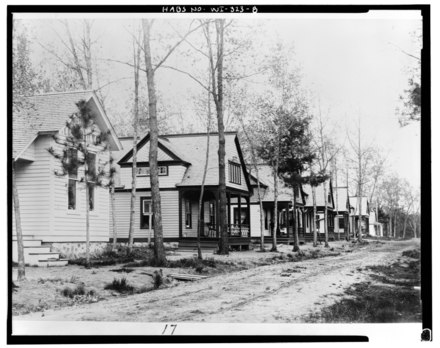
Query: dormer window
234,173
145,171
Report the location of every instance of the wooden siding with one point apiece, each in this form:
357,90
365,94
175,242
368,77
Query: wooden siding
170,215
70,225
192,232
175,175
33,185
255,221
29,154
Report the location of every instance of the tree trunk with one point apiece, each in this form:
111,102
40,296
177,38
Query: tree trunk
337,200
87,216
360,218
18,231
136,61
275,209
295,220
224,242
315,232
205,169
113,212
159,249
325,216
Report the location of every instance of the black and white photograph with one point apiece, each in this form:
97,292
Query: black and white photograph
215,170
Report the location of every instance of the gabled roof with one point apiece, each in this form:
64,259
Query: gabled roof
342,198
319,195
354,203
49,113
167,152
266,178
190,150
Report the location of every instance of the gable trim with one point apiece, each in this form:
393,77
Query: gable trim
243,165
124,160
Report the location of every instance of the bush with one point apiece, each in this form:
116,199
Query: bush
79,290
157,279
120,285
415,254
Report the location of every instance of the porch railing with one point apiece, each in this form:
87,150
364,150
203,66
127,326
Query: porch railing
235,230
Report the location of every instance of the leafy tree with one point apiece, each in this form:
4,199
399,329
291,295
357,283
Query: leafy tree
297,157
411,100
79,147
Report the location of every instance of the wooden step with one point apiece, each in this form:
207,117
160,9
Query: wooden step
35,258
53,263
27,243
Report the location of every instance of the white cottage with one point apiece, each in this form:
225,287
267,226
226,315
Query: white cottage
181,161
52,207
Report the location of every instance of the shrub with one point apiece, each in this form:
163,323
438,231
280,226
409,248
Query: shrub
157,279
120,285
78,290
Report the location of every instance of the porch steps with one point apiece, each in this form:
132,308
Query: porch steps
36,254
191,245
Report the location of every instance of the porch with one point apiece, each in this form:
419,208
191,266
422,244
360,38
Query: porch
237,214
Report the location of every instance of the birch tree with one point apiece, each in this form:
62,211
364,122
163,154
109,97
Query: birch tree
327,151
361,160
136,68
150,71
205,170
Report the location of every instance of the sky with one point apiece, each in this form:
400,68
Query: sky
352,64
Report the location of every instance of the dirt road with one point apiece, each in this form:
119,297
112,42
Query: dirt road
275,293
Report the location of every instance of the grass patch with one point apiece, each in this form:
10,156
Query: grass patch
392,300
112,257
120,285
373,304
193,262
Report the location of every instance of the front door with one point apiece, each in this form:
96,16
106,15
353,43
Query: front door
147,217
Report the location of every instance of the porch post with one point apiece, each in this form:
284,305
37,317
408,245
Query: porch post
228,194
248,201
304,222
180,214
239,213
287,220
217,213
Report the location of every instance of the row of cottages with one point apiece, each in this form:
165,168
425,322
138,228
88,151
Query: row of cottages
181,162
52,208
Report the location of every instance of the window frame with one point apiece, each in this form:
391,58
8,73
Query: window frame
234,173
147,171
72,178
143,215
188,214
91,184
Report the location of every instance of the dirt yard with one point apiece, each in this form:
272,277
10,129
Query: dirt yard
253,287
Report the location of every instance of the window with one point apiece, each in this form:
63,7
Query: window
188,217
73,177
341,222
265,219
234,173
91,177
242,217
145,171
211,213
147,221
